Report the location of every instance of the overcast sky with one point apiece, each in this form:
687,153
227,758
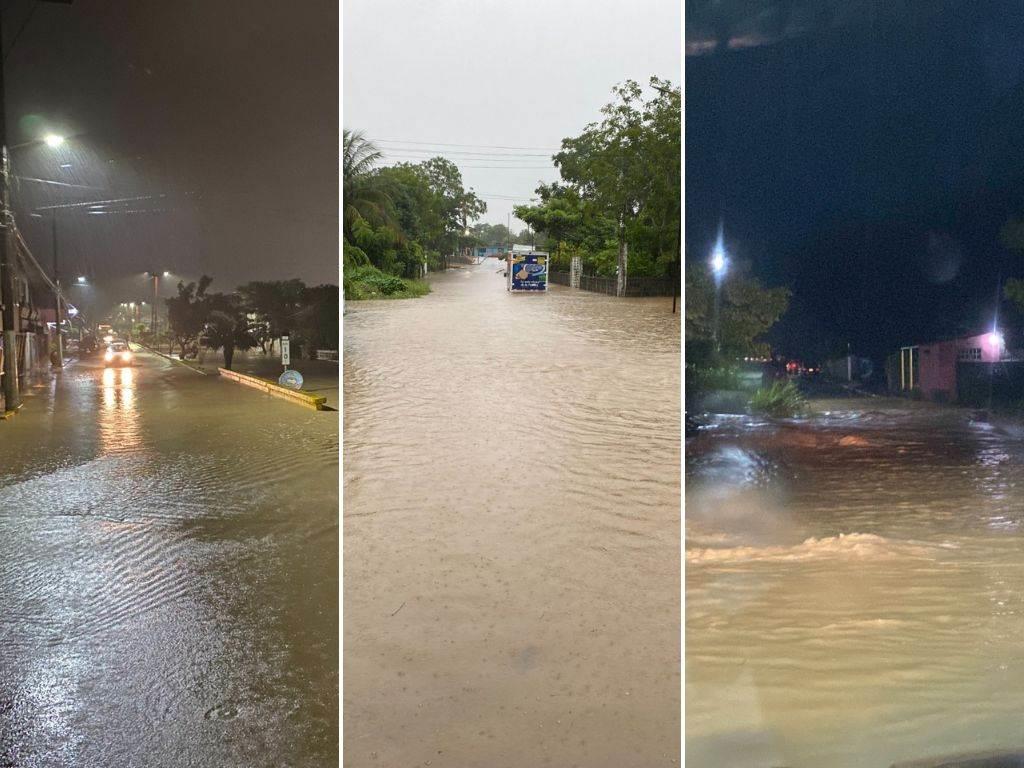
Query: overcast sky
492,74
233,101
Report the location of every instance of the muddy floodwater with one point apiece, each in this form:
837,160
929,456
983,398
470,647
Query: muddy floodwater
511,528
168,574
854,587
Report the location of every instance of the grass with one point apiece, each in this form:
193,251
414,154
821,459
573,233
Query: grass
370,283
782,399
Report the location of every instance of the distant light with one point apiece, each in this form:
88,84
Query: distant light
53,140
131,304
81,278
65,166
719,262
72,311
167,274
995,339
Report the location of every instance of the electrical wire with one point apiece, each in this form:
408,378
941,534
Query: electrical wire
442,144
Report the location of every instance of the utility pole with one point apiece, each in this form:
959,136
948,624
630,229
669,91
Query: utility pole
57,295
12,397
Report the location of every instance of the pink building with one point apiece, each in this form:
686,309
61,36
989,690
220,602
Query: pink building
931,368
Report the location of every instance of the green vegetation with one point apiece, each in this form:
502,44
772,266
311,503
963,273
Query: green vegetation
371,283
618,203
257,314
781,400
400,220
747,310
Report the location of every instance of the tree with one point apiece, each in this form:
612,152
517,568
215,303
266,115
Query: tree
225,326
187,312
317,322
275,305
626,169
747,310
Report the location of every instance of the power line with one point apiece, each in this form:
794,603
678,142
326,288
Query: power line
442,144
412,150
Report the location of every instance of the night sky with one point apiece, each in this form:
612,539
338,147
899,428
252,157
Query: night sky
863,154
228,108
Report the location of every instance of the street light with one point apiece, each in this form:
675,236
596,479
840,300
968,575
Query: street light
156,293
719,265
53,140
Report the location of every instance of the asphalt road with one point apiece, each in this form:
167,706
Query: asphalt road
168,573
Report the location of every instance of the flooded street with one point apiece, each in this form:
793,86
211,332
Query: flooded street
854,587
511,513
168,574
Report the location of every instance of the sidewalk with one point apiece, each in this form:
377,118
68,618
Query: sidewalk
320,377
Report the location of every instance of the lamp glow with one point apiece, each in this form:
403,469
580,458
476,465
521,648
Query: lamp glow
53,140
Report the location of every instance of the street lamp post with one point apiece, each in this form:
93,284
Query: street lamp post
12,396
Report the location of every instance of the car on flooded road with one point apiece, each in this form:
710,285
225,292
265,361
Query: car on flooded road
118,354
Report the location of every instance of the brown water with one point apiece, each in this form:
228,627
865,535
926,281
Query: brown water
511,528
168,574
855,588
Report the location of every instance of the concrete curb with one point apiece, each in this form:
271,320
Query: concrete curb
190,366
316,402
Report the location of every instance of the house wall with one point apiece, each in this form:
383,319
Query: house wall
938,370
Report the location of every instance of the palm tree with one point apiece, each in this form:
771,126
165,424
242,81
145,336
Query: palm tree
364,197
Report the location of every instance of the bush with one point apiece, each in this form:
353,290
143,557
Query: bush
371,283
781,399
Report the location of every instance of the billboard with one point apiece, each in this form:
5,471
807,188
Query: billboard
528,271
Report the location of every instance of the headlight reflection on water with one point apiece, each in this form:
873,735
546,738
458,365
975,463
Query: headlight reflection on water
119,426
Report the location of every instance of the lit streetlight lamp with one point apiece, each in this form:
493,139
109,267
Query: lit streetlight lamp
719,264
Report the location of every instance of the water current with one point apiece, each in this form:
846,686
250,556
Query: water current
511,521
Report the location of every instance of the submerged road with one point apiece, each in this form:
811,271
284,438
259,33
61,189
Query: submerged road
854,587
168,574
511,528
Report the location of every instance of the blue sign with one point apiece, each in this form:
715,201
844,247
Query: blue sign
291,379
529,272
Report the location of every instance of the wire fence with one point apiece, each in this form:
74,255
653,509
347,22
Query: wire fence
635,286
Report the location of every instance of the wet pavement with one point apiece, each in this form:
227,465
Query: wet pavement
512,529
855,587
168,574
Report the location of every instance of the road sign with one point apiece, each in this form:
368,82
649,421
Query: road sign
286,356
291,379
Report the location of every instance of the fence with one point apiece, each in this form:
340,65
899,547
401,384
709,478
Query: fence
635,286
327,354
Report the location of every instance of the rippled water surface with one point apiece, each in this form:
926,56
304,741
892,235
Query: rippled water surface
168,574
511,504
855,588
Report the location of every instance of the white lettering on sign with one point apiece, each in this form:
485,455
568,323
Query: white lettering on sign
286,358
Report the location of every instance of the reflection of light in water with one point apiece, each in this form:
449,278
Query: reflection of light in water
119,416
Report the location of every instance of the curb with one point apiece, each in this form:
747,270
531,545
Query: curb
316,402
190,366
7,415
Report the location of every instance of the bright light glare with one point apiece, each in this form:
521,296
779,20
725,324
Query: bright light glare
167,274
53,140
995,339
718,259
81,278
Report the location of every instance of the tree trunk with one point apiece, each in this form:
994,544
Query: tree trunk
620,282
229,353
